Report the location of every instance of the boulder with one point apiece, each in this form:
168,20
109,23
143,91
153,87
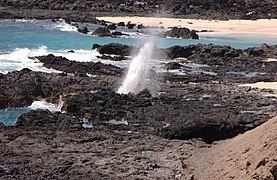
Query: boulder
184,33
130,25
45,120
179,51
121,24
117,33
83,30
102,32
116,49
112,26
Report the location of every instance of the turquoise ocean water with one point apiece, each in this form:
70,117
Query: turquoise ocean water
21,39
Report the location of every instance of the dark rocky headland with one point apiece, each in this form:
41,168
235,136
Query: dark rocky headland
196,101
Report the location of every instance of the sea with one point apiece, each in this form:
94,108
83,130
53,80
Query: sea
22,39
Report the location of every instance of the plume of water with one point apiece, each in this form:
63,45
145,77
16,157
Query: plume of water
138,70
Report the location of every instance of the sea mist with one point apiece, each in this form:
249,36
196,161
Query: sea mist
135,79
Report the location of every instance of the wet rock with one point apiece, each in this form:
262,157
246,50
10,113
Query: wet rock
179,51
105,105
83,30
172,65
141,26
102,32
19,90
115,48
71,51
121,24
184,33
113,58
112,26
43,119
130,25
117,33
95,46
65,65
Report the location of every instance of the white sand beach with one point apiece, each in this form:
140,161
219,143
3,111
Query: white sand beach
267,85
264,26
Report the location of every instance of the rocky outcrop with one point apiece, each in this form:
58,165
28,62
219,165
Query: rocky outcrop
115,48
83,30
81,68
21,88
183,33
113,58
99,128
179,51
102,32
112,26
47,121
193,117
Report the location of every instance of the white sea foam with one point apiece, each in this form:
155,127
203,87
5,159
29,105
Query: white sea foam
63,26
21,58
78,55
43,104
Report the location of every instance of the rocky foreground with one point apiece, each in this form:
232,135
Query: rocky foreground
165,131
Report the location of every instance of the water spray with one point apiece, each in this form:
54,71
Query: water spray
138,70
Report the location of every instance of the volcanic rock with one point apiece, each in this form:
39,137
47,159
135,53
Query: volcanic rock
130,25
113,58
65,65
121,24
83,30
102,32
43,119
115,48
112,26
179,51
184,33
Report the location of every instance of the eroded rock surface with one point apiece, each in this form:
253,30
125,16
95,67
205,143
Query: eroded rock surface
104,134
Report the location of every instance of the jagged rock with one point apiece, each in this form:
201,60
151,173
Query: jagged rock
102,32
172,65
115,48
141,26
112,26
117,33
95,46
121,24
113,58
179,51
83,30
181,33
130,25
65,65
43,119
71,51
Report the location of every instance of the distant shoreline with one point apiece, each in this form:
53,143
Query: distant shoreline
262,26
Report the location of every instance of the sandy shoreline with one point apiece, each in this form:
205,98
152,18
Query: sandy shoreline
263,26
267,85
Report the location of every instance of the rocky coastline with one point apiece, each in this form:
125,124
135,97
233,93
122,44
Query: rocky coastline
151,135
83,10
